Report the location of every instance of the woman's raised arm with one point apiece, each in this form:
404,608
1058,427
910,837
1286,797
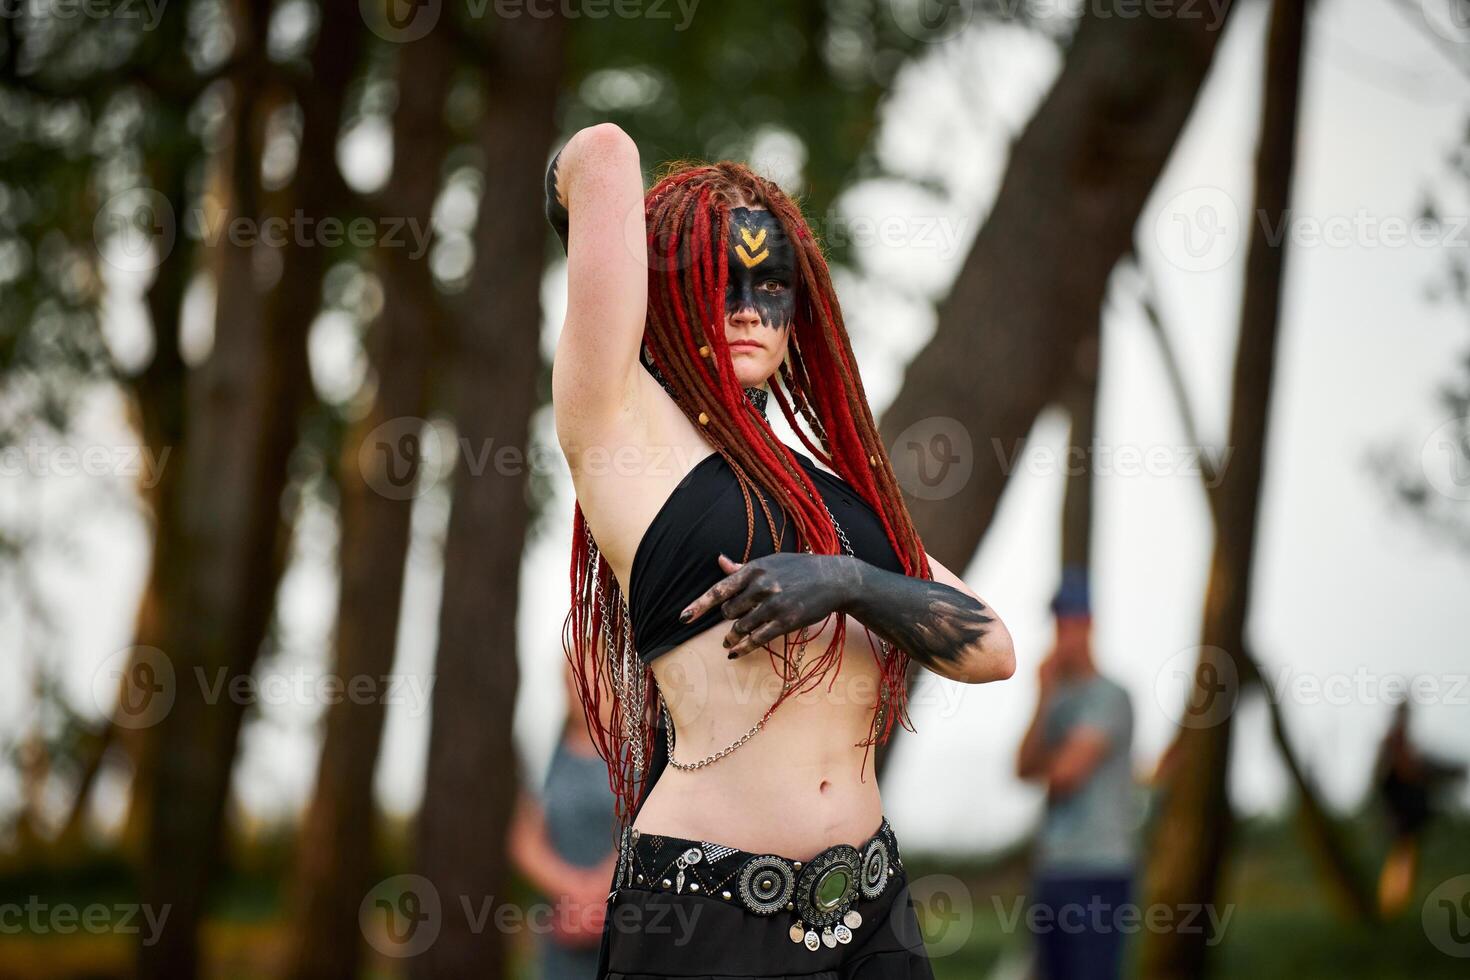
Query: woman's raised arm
599,184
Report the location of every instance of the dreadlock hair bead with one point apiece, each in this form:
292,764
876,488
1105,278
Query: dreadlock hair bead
703,419
704,351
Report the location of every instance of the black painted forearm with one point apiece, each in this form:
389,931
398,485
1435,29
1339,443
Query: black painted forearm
936,624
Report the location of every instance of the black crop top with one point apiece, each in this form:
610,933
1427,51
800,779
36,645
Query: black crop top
676,561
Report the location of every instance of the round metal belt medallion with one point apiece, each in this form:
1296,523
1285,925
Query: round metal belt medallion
828,885
766,883
875,869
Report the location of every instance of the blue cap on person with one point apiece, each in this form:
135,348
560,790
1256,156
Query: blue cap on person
1073,596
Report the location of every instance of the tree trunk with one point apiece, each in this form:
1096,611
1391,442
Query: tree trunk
244,404
471,780
1079,398
335,866
159,419
1194,823
1343,877
1035,278
1080,172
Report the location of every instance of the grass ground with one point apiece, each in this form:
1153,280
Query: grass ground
1280,922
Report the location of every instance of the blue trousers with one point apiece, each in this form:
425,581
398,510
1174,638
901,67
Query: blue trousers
1074,919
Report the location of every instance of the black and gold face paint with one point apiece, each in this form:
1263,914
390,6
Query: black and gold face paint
762,268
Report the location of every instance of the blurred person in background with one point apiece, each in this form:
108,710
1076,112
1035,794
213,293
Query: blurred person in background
1078,747
565,845
1407,780
754,842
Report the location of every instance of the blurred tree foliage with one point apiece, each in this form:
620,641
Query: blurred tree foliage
1431,480
92,107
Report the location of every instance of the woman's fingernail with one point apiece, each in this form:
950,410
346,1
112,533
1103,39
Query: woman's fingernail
684,616
731,656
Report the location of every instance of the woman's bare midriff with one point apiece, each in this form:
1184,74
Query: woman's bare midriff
797,786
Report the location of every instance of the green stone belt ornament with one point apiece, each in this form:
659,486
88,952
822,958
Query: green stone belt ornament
821,894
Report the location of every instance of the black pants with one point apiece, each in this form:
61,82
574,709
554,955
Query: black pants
1078,936
671,918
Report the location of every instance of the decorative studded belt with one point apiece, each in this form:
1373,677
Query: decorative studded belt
823,894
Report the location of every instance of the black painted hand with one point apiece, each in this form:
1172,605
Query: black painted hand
556,208
776,594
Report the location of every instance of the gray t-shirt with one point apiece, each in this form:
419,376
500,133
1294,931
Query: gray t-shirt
579,807
1094,828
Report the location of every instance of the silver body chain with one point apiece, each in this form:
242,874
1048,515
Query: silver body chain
626,671
785,686
628,674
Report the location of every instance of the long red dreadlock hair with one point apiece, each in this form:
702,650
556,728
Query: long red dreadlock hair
687,215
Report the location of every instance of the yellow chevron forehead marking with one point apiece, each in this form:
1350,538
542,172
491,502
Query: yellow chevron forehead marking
751,253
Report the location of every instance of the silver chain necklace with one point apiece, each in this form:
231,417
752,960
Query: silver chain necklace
629,674
757,398
761,722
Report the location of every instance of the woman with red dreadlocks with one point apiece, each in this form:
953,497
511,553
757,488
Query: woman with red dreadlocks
719,575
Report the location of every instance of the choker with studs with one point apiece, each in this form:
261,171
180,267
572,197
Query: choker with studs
756,396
